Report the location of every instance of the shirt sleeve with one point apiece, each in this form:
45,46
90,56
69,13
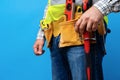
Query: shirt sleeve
40,34
108,6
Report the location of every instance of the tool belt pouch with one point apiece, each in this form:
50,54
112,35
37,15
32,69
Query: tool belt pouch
48,34
101,28
69,37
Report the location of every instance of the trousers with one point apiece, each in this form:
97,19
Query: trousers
69,63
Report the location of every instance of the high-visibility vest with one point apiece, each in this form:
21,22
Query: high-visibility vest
54,12
56,9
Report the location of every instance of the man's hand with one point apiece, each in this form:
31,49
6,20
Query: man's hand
89,20
38,46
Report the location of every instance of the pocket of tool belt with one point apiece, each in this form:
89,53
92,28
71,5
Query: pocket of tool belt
101,28
69,37
48,34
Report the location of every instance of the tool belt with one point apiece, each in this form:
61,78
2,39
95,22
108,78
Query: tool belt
66,30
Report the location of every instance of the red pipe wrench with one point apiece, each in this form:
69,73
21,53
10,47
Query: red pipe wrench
86,33
87,4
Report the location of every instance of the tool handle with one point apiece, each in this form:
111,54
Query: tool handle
86,33
70,7
86,42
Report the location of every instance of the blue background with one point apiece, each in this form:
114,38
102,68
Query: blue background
19,20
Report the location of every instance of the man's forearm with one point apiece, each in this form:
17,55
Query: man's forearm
108,6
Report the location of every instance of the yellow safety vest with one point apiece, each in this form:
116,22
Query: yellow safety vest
53,13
